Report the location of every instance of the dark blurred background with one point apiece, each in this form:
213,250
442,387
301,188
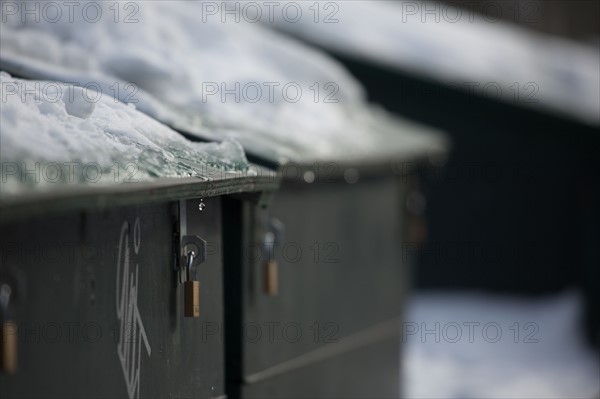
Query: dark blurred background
576,19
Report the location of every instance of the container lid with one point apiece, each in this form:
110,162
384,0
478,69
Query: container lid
60,150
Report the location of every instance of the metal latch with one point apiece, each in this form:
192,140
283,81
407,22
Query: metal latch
192,253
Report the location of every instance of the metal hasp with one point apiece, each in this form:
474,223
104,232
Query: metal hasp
192,253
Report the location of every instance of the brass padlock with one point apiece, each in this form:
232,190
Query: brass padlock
273,236
191,297
271,277
8,347
8,333
191,290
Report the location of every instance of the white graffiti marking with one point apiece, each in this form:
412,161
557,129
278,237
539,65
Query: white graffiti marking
132,332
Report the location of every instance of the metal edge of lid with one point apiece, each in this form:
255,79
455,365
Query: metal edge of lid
425,144
367,167
89,198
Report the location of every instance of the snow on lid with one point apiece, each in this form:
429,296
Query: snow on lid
52,134
214,79
459,47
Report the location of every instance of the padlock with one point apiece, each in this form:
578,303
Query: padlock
8,347
8,333
271,277
191,290
272,237
191,297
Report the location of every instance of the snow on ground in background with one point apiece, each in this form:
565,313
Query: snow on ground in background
558,365
53,124
461,48
177,61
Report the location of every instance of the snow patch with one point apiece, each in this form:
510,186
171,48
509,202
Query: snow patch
203,78
460,48
52,136
77,103
539,351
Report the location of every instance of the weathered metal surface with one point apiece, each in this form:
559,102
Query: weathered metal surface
370,371
340,268
340,273
103,314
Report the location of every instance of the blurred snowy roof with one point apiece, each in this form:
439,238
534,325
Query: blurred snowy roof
454,46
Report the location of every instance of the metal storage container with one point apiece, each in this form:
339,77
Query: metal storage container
93,304
319,275
319,290
330,326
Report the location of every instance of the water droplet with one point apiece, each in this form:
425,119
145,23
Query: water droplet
351,175
309,176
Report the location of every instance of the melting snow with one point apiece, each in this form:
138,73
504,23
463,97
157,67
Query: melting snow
280,99
53,134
